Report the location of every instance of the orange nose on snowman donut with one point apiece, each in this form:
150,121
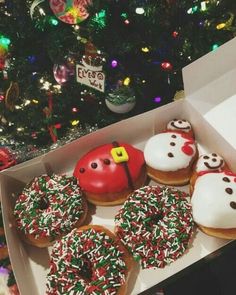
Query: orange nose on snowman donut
170,156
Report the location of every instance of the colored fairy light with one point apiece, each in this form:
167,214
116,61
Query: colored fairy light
126,22
2,97
157,99
139,10
192,10
74,110
124,15
175,34
114,63
214,47
100,18
53,21
203,6
145,49
166,65
31,58
126,81
75,122
220,26
4,41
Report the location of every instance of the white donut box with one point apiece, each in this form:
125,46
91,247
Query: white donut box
210,106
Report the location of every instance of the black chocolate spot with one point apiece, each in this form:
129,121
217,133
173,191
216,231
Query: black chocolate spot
172,143
170,155
226,179
173,136
232,205
106,161
81,170
229,190
94,165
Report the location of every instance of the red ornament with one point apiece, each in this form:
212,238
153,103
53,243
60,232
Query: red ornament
6,159
167,66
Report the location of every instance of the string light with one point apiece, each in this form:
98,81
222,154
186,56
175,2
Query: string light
75,122
166,66
139,10
114,63
157,99
145,49
126,81
214,47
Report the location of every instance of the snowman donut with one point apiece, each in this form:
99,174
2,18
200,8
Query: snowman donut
214,203
170,155
110,172
211,162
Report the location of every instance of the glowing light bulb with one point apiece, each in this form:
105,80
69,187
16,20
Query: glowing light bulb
126,81
220,26
214,47
166,66
114,63
139,10
157,99
75,122
145,49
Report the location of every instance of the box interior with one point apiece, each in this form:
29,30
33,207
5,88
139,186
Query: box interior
30,264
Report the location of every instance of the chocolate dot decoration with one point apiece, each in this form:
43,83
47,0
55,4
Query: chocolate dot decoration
172,143
233,205
226,179
170,155
106,161
180,122
81,170
94,165
214,155
173,136
229,190
206,157
214,160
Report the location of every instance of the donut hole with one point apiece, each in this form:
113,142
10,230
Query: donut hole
43,203
154,219
85,271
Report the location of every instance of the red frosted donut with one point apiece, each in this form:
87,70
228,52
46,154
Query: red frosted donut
108,173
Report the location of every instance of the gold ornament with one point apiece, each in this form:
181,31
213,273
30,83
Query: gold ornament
179,95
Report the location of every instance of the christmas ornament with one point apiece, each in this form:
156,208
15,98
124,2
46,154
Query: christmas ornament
179,95
121,100
12,95
61,73
70,11
6,158
90,72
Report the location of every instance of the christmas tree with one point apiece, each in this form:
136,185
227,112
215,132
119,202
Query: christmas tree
67,64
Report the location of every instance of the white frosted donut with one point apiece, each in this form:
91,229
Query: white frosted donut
214,200
179,125
169,151
210,162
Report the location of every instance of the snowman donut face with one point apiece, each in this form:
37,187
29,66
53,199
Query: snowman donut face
179,125
210,162
169,151
214,200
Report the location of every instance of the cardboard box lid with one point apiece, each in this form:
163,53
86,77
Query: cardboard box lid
209,85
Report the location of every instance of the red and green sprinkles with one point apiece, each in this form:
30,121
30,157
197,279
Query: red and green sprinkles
155,224
49,206
86,262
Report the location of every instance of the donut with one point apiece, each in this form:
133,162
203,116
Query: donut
49,207
214,203
207,162
110,172
180,125
89,260
155,224
170,156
